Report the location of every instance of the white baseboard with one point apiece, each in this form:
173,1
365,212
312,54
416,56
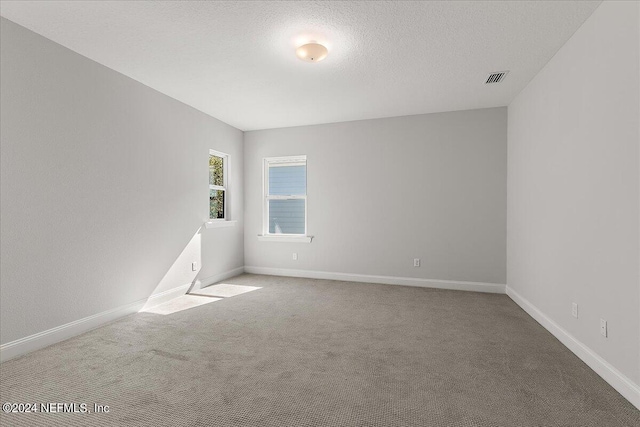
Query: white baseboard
615,378
165,296
63,332
387,280
207,281
60,333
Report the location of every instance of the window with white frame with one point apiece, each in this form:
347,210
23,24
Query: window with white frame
218,185
285,196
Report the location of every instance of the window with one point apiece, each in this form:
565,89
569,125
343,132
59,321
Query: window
218,185
285,196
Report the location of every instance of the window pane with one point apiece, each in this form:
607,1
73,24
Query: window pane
216,204
288,181
216,171
286,216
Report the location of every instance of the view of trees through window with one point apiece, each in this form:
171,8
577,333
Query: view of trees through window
217,188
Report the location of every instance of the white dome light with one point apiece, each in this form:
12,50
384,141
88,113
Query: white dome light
312,52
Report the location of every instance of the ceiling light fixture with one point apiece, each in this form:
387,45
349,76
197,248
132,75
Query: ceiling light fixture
312,52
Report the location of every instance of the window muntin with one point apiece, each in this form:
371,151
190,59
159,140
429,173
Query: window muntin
285,195
218,185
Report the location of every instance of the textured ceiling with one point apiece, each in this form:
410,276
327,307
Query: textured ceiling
236,62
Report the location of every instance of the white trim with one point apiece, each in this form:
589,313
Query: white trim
269,162
207,281
388,280
60,333
165,296
301,159
226,161
219,223
615,378
217,153
285,238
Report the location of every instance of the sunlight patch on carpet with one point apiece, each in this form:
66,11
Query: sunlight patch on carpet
224,290
182,303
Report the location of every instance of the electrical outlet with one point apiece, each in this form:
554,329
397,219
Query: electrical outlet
574,310
603,328
295,256
194,266
416,262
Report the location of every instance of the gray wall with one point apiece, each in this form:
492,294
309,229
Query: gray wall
104,188
382,192
574,184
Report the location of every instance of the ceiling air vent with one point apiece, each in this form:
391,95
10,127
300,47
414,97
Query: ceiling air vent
496,77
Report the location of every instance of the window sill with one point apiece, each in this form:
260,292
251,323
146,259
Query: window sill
287,239
220,224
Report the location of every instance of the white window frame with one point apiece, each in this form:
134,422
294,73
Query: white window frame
268,163
224,187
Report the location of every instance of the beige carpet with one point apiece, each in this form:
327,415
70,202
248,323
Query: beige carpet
300,352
